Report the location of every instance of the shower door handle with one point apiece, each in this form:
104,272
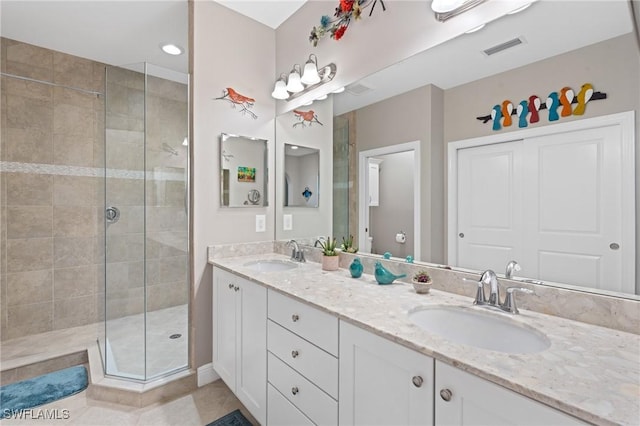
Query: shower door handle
112,214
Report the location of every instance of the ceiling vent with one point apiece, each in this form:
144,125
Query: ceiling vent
357,89
503,46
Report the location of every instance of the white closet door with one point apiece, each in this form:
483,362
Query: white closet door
573,208
490,206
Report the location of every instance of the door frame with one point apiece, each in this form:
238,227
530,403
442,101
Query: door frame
627,127
363,190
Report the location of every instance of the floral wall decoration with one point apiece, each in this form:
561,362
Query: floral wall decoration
346,11
309,117
235,98
558,104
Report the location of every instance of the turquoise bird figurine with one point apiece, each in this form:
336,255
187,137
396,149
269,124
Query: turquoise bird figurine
356,268
552,105
384,276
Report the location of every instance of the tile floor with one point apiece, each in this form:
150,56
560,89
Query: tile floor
199,407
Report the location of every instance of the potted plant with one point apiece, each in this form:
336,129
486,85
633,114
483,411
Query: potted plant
421,282
347,245
330,258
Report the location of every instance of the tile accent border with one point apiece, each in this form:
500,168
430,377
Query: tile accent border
58,170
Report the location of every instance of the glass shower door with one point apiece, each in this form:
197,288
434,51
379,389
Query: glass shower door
146,226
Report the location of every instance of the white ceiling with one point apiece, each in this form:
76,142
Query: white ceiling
269,12
126,32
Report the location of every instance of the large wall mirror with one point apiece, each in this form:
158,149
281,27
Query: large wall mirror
301,176
243,171
435,97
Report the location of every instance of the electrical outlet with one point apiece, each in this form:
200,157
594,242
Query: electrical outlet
261,223
287,222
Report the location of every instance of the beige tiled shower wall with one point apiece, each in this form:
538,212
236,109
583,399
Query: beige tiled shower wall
52,235
51,257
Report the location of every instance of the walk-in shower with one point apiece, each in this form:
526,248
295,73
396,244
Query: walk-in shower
93,206
146,222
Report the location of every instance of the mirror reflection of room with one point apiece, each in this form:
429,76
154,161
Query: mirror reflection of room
301,176
243,171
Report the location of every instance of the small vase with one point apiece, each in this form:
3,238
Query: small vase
330,263
421,288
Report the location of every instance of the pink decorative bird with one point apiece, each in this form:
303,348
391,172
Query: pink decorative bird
534,107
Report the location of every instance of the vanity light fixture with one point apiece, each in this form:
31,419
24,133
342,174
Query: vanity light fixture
294,85
171,49
447,9
310,74
474,29
298,83
520,9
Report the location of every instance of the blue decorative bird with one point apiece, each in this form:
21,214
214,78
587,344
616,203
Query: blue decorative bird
523,111
356,268
384,276
552,105
496,115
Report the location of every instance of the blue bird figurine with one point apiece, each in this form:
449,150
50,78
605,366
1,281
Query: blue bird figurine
387,255
356,268
384,276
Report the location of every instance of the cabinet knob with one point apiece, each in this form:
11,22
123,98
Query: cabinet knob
446,394
295,317
417,381
236,288
294,354
230,285
294,390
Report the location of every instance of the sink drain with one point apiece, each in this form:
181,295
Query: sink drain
175,336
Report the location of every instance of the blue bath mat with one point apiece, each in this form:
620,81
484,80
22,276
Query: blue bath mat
42,390
234,418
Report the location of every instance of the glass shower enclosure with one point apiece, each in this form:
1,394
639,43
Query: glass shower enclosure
146,225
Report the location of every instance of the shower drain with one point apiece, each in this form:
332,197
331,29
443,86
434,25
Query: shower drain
175,336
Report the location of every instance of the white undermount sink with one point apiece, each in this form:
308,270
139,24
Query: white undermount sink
271,265
486,330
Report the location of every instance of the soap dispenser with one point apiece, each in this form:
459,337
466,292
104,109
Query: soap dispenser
356,268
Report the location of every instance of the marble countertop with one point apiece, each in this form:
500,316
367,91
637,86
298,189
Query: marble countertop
590,372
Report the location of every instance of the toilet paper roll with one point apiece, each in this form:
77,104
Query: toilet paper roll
401,238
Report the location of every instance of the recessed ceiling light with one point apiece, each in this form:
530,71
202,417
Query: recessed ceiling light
340,90
520,9
171,49
474,29
294,146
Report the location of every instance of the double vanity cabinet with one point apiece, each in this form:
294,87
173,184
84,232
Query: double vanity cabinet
291,363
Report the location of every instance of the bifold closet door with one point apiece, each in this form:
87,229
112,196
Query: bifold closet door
490,206
573,199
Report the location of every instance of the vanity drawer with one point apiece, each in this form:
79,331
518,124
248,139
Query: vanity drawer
320,328
312,362
283,413
310,399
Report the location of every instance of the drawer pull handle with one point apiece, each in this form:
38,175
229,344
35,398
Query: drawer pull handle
294,390
294,354
230,285
417,381
295,317
446,394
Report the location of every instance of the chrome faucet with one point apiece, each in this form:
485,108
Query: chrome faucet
511,266
509,304
297,254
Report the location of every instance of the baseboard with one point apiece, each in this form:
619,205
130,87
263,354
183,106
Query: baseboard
206,374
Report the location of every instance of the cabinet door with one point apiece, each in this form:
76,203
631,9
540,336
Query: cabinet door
224,326
474,401
381,382
251,349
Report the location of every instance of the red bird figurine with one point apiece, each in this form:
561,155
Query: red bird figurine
308,116
235,98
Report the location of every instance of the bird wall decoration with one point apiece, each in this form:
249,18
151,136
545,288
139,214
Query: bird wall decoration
309,117
235,98
527,110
